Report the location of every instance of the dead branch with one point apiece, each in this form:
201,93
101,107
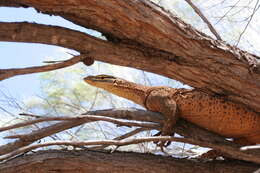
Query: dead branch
127,135
233,152
183,127
193,134
90,142
89,118
30,115
204,18
7,73
131,114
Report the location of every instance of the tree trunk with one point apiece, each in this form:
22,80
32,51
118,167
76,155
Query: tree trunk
103,162
154,41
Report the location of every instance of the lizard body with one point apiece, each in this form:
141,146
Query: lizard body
214,113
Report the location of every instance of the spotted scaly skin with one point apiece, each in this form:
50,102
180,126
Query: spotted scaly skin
210,112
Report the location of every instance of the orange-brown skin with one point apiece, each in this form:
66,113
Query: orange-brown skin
210,112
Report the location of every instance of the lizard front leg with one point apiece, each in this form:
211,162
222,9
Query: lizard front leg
170,114
159,100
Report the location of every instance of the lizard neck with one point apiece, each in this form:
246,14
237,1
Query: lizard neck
130,91
120,87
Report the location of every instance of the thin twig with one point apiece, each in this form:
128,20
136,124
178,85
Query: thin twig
129,114
90,142
30,115
229,150
203,17
251,17
222,17
84,117
124,136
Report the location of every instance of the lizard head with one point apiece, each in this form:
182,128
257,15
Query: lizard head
118,86
103,81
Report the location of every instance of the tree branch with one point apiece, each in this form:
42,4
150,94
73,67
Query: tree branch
124,136
233,152
153,35
131,114
219,68
7,73
91,142
87,118
103,162
193,134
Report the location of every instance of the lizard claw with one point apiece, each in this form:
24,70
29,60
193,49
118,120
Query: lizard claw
162,144
167,130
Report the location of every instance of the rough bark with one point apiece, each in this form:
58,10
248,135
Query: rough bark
184,53
152,35
103,162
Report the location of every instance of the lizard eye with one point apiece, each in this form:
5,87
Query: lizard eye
102,76
105,77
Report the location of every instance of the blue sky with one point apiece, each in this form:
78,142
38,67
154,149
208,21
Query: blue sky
15,55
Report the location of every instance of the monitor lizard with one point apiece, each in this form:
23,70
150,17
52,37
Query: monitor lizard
215,113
